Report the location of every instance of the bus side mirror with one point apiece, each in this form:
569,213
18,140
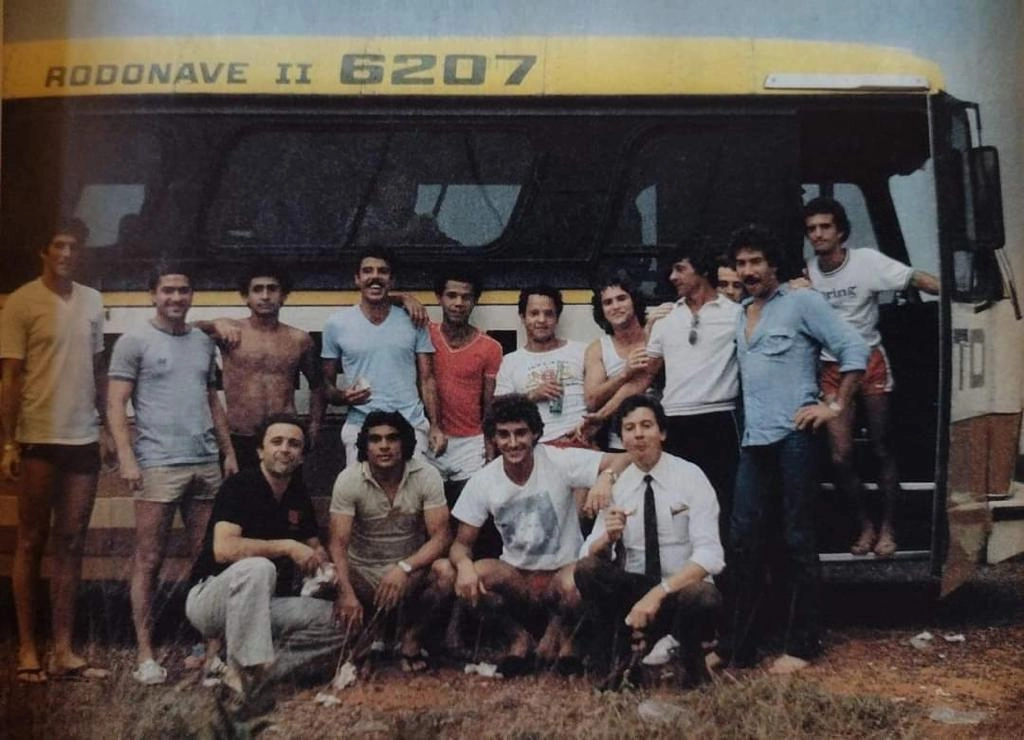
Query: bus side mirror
985,200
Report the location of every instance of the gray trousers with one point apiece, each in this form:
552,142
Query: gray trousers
288,633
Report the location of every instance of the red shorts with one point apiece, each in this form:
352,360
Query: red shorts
538,582
877,379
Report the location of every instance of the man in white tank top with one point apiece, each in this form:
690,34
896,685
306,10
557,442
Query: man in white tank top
618,357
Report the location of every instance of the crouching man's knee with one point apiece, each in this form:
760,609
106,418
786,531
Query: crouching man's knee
256,572
442,575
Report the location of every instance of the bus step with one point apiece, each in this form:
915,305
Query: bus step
847,557
904,486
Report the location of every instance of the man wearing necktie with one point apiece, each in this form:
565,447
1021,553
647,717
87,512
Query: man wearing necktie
648,562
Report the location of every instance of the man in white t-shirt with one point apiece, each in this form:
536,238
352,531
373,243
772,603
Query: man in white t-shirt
850,280
548,370
696,345
529,492
51,345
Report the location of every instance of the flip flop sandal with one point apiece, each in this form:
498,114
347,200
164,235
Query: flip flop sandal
569,665
84,672
516,665
31,676
415,662
886,546
864,543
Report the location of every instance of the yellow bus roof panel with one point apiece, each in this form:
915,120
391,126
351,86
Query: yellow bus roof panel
467,66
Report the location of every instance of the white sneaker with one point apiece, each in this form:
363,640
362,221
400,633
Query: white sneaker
662,651
150,673
214,671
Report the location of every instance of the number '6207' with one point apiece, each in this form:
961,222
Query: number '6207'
425,69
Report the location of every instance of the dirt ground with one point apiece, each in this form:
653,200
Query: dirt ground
871,682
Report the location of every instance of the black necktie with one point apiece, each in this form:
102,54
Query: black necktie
652,552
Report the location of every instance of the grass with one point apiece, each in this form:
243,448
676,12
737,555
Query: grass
451,704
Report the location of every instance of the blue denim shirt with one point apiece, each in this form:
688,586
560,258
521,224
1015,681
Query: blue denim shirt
779,366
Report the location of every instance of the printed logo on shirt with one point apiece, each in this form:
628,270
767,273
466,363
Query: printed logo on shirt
837,293
294,517
529,525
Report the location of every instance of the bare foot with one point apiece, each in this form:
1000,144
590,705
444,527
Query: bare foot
712,661
786,664
886,545
28,659
865,542
550,645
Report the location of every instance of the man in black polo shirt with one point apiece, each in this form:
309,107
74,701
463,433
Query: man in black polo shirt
262,538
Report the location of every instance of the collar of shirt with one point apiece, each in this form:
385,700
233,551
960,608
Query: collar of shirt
411,466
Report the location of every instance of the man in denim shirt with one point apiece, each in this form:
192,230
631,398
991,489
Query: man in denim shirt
778,338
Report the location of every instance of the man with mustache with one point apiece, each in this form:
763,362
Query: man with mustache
850,280
387,360
389,524
778,338
54,395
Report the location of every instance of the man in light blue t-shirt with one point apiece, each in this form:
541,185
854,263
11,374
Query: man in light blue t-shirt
166,368
386,358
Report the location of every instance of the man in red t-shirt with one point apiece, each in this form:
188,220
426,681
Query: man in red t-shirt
466,362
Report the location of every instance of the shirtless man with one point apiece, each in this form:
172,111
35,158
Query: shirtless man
51,345
261,357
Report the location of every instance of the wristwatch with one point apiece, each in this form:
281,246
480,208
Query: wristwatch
612,473
835,406
406,568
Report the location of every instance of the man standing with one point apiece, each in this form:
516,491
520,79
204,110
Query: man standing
261,539
619,356
665,515
778,338
729,283
547,370
387,361
696,346
850,280
167,369
51,345
261,358
529,492
466,363
389,523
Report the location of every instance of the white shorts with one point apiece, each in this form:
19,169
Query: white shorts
350,432
462,457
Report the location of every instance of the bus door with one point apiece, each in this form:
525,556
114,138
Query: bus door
980,379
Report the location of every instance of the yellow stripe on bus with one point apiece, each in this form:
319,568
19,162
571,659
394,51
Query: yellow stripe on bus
419,66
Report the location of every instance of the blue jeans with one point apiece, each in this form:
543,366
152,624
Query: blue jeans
776,488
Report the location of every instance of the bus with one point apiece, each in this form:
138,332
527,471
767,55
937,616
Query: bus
536,159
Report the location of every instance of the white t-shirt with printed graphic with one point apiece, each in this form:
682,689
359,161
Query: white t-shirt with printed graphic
538,522
522,371
852,288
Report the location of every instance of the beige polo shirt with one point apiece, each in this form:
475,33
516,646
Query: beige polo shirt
57,339
384,532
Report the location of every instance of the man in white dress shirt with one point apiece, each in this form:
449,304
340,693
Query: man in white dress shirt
649,560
